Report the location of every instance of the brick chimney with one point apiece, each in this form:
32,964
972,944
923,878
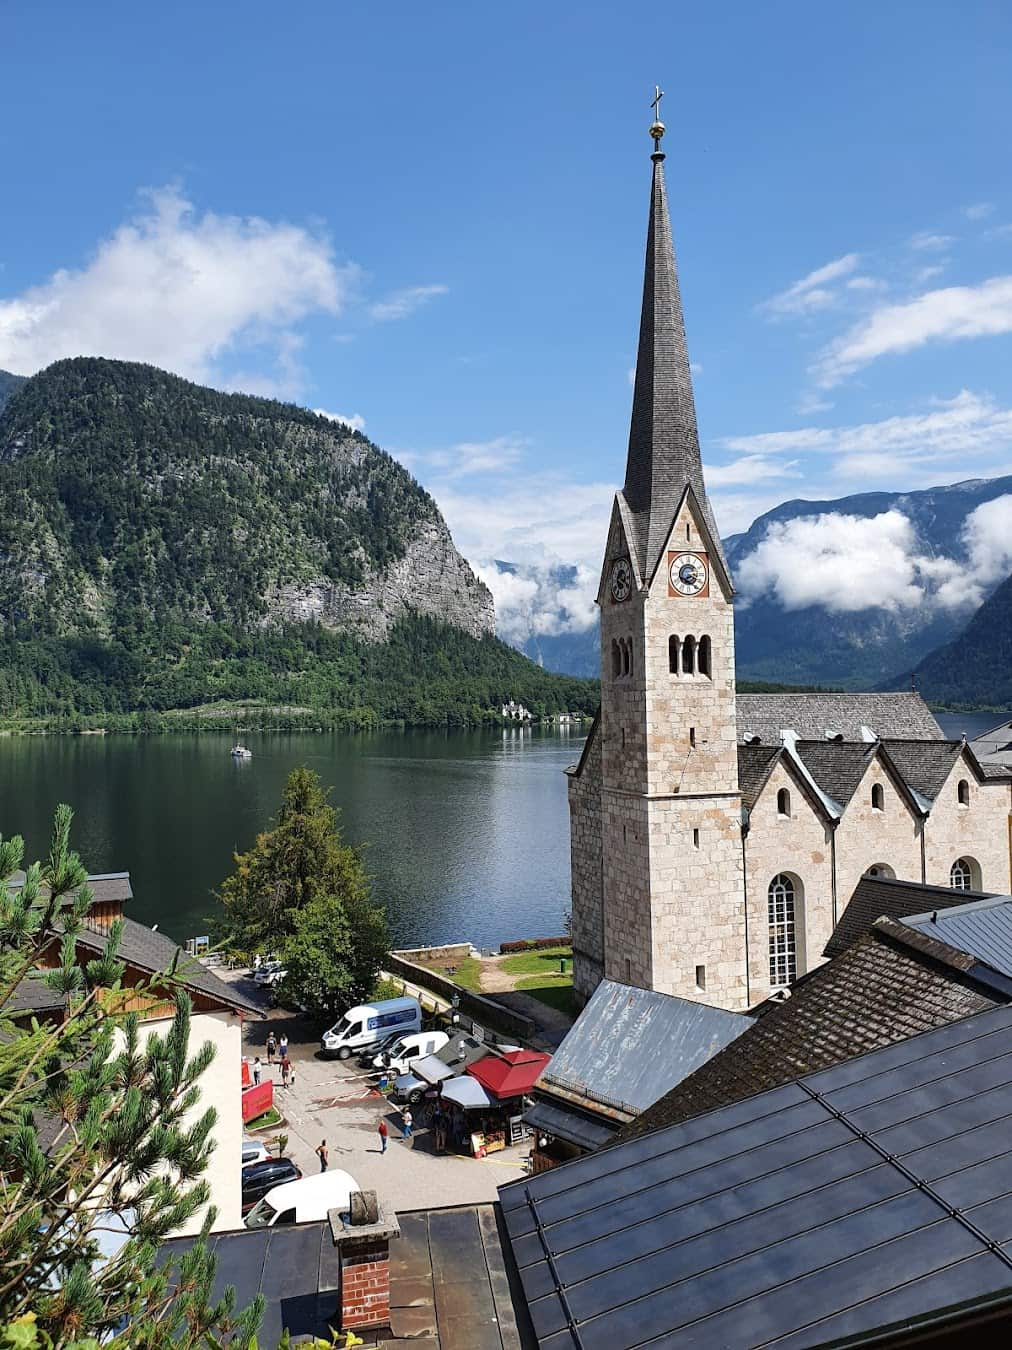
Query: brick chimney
363,1240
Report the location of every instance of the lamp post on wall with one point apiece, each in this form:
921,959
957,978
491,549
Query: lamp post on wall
455,1010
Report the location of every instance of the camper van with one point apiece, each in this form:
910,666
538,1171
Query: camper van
370,1023
399,1057
306,1201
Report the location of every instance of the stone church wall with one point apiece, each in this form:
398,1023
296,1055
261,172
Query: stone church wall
979,831
866,837
585,838
800,845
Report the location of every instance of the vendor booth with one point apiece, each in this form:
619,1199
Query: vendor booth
485,1105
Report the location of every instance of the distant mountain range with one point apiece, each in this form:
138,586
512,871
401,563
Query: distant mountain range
904,566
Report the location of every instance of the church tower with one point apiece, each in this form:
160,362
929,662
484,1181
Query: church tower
672,889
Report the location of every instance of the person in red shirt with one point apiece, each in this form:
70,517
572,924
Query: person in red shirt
383,1132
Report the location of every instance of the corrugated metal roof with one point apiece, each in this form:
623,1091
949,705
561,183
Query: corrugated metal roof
876,1191
982,928
630,1046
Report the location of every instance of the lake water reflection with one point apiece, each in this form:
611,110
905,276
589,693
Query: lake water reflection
467,833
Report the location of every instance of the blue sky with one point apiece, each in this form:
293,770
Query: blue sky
431,219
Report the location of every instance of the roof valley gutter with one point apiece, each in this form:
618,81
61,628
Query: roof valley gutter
560,1288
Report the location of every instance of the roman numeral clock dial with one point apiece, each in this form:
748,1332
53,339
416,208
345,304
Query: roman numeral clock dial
687,573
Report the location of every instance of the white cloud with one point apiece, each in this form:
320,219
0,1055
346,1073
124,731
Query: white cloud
978,210
813,291
944,315
401,304
749,469
355,421
928,273
849,563
926,242
865,284
539,598
182,290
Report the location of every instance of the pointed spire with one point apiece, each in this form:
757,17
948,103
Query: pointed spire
664,453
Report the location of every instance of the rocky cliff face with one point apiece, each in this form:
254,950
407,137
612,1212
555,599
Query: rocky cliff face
133,496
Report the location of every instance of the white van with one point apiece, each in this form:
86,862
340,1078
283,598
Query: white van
369,1023
406,1049
305,1201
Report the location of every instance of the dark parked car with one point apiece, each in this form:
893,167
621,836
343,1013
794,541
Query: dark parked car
365,1059
261,1177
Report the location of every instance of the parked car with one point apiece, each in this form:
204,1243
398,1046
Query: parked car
397,1058
307,1201
368,1023
367,1057
262,1177
254,1150
266,972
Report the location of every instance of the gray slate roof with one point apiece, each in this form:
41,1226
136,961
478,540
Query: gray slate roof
881,990
982,928
813,716
664,456
629,1046
105,887
837,766
755,763
924,765
874,1194
874,897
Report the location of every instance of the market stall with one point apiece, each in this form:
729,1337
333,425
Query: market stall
485,1104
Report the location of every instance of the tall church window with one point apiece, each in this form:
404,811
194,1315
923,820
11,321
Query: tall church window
689,656
783,802
878,800
703,656
674,652
963,792
616,660
783,930
964,875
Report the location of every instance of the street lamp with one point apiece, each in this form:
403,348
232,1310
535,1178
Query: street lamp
455,1010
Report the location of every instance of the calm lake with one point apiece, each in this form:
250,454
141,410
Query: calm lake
467,832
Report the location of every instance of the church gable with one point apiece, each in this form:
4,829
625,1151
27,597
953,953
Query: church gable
620,548
689,536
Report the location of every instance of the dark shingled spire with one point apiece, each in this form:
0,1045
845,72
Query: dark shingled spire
663,442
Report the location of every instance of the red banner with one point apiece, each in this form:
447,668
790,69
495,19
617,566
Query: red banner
256,1100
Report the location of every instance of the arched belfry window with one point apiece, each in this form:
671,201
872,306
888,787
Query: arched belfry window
616,659
963,792
674,652
688,656
878,799
964,875
783,802
703,656
782,900
627,656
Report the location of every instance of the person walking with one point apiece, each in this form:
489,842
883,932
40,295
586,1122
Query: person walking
439,1126
323,1154
382,1130
272,1046
407,1120
256,1071
283,1047
286,1069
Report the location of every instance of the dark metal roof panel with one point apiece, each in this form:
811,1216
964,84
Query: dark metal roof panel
874,897
572,1126
982,928
825,1207
630,1046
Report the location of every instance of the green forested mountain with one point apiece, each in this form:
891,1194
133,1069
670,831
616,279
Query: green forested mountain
8,384
975,671
164,545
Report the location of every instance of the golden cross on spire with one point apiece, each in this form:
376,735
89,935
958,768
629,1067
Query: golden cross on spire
657,130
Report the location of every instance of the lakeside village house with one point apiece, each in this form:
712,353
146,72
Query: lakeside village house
717,837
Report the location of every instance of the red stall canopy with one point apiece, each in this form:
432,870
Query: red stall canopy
510,1074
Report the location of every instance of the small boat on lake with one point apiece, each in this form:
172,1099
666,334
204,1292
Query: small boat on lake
241,752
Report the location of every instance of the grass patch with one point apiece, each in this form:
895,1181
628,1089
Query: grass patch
543,962
558,996
465,972
272,1116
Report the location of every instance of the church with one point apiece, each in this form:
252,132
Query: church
717,837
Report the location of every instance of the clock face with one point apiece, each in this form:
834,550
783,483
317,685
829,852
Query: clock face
620,580
687,573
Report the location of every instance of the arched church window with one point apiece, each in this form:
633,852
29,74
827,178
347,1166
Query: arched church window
782,899
878,799
703,656
616,660
783,802
689,656
674,651
880,870
963,792
964,875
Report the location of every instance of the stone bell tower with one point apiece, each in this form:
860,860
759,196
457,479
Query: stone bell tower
672,890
